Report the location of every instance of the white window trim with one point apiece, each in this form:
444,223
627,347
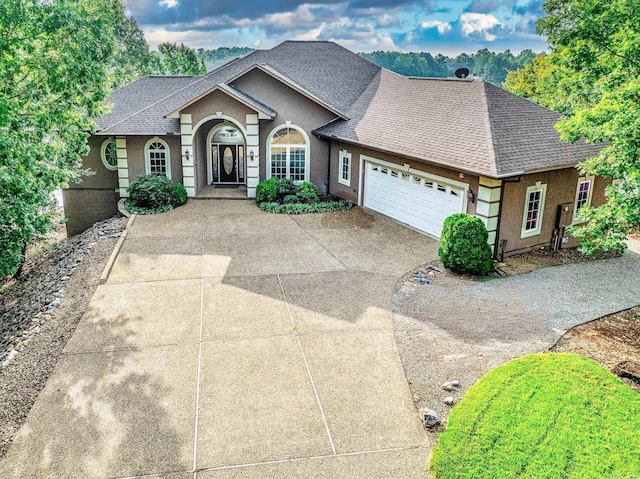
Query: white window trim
532,189
103,154
582,179
344,154
147,160
306,151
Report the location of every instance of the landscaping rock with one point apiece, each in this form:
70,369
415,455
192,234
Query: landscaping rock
33,298
449,401
430,418
450,386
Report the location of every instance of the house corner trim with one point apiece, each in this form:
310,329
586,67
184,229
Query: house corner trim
123,166
488,207
253,161
188,159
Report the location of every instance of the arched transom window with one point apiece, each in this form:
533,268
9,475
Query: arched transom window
109,154
289,154
157,158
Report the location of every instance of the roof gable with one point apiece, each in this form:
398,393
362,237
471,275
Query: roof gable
286,81
264,112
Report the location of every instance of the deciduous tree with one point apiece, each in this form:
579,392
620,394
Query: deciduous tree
596,51
55,59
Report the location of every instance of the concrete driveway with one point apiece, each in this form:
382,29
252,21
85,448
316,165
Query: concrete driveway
232,343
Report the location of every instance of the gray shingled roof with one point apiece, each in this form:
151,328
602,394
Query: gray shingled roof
318,67
463,124
139,94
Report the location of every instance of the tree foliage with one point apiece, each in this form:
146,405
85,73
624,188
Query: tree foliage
596,61
133,59
490,66
55,64
180,60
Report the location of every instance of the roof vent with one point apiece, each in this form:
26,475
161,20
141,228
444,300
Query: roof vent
462,72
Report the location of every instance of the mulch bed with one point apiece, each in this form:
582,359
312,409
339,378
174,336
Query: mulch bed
612,341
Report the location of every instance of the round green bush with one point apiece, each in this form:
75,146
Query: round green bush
150,192
543,416
178,195
463,245
267,191
307,192
290,199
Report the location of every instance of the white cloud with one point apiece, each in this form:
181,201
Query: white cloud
478,25
168,3
443,27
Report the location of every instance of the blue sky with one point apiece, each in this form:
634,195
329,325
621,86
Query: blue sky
437,26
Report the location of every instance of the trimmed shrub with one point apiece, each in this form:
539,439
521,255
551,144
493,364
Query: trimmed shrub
285,187
290,199
302,208
267,191
307,192
150,192
178,195
463,245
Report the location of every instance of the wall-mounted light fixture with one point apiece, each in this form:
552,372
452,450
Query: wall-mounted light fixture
251,155
470,196
187,154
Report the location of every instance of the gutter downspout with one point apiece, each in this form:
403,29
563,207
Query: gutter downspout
497,245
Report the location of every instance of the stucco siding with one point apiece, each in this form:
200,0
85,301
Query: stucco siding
217,101
102,178
136,158
85,206
561,189
294,107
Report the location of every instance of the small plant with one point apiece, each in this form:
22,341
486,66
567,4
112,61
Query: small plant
150,192
267,191
178,195
463,245
290,199
285,187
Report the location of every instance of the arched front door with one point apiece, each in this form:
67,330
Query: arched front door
226,163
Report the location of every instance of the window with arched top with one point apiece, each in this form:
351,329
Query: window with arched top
288,154
157,158
109,154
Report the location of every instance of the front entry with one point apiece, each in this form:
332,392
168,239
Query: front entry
226,156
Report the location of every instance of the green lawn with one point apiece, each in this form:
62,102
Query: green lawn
543,416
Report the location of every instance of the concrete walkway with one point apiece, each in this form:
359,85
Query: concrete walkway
232,343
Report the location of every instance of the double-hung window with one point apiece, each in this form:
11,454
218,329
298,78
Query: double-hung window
533,210
344,171
583,196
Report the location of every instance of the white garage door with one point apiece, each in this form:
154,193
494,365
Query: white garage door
421,201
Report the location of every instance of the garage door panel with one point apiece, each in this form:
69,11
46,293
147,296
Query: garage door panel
419,201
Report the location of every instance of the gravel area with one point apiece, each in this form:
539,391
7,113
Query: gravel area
455,328
39,313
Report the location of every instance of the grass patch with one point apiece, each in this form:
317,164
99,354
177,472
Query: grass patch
543,416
